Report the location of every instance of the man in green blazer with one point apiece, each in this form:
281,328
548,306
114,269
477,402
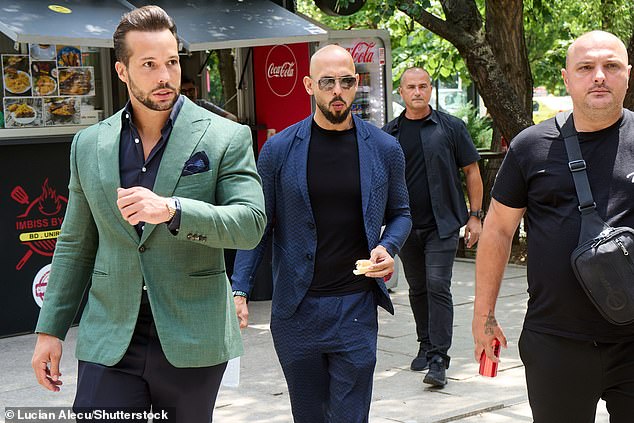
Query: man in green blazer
156,192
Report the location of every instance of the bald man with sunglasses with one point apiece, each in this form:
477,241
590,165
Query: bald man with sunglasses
330,182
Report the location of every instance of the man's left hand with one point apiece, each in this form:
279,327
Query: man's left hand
138,204
472,231
383,263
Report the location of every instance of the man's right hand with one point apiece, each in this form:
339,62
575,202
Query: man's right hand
242,310
485,329
45,361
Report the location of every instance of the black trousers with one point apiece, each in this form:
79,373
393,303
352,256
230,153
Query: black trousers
428,264
566,378
144,380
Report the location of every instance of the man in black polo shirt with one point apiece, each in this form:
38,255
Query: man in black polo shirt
436,145
572,355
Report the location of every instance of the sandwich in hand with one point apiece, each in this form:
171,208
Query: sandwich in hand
362,267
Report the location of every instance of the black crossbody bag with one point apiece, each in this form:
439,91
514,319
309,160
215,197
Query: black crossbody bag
603,262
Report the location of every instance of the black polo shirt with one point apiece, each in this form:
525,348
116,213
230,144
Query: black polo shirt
447,147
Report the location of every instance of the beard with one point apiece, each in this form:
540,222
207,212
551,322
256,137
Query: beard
144,97
606,108
336,117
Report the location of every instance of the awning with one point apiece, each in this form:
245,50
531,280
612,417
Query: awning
68,22
201,25
215,24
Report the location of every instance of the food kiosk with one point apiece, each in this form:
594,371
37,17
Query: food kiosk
57,69
57,78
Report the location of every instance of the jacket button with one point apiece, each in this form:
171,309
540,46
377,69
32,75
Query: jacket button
309,256
144,287
311,225
142,248
189,236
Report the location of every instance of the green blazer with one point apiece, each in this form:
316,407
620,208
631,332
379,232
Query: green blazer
190,295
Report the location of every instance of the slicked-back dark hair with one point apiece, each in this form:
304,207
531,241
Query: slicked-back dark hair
146,19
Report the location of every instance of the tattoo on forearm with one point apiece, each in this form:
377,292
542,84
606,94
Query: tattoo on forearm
490,324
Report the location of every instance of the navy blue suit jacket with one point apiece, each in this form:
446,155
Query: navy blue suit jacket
282,166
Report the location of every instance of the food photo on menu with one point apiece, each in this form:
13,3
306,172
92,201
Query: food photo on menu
44,79
43,52
76,80
68,56
15,75
62,111
20,112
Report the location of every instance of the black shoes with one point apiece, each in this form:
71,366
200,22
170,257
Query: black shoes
437,375
420,363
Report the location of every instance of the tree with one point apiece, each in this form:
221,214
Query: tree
503,43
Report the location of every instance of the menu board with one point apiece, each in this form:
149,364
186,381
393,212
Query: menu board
46,86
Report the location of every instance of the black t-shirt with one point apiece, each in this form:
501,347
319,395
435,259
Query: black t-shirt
535,175
334,189
416,173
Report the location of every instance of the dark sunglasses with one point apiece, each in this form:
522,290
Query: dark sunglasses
328,83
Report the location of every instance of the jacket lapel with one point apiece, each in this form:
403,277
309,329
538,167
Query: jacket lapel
108,163
299,157
365,164
186,134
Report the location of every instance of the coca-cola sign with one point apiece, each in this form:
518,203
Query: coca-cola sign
281,70
363,52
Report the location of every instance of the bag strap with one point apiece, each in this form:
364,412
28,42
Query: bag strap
576,164
591,222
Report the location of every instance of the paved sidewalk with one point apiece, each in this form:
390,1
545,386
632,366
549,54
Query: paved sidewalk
399,394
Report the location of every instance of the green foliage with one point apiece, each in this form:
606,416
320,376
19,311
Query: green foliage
412,44
216,92
550,27
479,127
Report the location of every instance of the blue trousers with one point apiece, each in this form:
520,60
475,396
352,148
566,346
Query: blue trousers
327,351
428,264
144,379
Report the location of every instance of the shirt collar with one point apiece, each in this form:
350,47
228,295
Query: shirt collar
126,116
433,116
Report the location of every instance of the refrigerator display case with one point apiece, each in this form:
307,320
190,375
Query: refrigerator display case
370,50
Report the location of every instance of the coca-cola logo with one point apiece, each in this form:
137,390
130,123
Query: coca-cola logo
285,70
362,52
281,70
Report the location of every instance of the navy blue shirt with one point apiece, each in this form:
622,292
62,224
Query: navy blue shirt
134,169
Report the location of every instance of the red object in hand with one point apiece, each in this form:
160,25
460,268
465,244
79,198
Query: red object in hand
487,367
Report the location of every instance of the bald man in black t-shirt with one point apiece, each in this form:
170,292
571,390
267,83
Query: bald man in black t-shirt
572,355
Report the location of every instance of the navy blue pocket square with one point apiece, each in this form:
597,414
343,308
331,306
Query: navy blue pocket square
197,163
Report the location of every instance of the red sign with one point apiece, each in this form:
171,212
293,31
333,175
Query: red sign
39,225
362,52
281,70
280,96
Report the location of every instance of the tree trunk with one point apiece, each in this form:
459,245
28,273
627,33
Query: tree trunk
463,28
505,33
227,72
